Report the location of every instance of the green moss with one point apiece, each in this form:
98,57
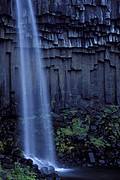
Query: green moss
64,135
17,173
106,134
53,104
1,147
107,111
98,142
67,131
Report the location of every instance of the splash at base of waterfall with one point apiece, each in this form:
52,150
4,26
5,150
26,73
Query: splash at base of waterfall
44,166
40,162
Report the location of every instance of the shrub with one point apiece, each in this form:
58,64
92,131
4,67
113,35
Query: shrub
17,173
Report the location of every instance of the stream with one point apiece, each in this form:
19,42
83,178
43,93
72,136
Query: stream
90,174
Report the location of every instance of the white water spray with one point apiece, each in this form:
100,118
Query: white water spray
38,140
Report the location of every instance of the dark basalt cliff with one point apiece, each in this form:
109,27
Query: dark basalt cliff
80,43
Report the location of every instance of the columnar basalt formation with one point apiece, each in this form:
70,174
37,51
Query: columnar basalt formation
80,43
8,59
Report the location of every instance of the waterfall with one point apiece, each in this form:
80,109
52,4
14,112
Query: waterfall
38,138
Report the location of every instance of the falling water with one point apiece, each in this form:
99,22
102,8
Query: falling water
38,140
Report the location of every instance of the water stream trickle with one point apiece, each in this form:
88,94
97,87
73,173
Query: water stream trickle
38,140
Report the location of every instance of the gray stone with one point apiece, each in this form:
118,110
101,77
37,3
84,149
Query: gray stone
2,156
8,166
47,170
8,160
91,156
101,161
93,127
81,137
54,115
89,165
118,162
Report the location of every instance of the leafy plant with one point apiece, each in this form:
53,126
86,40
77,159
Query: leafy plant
107,111
98,142
77,135
65,135
18,173
1,146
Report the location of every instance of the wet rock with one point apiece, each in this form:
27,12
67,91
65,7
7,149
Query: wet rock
23,160
89,165
29,162
101,162
8,160
51,169
118,144
81,137
78,114
2,156
59,119
118,162
35,168
91,136
49,178
47,170
8,163
84,165
93,127
54,115
70,115
58,178
8,166
92,158
17,153
97,122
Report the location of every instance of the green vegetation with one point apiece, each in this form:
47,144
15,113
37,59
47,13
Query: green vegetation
78,133
97,142
1,147
17,173
53,104
64,140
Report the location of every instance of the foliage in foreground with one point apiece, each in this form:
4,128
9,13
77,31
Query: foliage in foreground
78,134
17,173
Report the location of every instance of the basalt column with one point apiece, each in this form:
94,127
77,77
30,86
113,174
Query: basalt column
80,43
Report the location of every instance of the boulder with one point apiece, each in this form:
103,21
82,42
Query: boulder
92,158
29,162
47,170
101,162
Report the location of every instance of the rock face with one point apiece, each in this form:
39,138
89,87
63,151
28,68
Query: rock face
80,45
8,60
